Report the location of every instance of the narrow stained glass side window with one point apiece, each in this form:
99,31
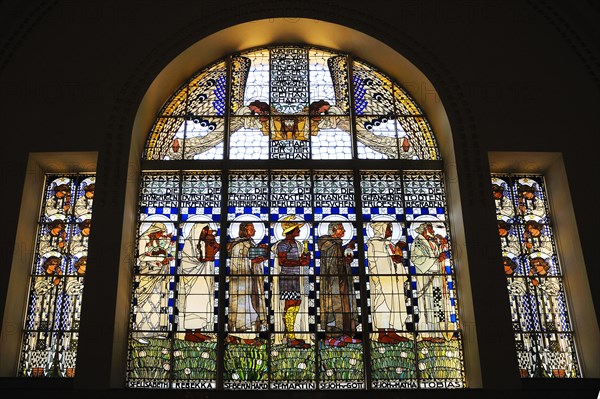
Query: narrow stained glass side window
51,328
544,334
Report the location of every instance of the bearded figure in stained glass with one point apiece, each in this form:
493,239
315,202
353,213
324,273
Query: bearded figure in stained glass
339,315
428,253
387,296
247,309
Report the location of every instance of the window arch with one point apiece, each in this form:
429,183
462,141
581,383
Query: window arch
293,233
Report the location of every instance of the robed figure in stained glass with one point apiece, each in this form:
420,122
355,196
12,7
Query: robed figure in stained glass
247,308
60,202
534,237
55,238
196,293
508,239
528,198
156,253
45,316
428,252
339,317
504,206
83,206
387,292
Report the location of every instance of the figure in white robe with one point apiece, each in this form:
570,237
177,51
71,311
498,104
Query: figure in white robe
197,280
428,252
386,288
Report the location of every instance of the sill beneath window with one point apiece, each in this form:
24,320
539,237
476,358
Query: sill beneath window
566,384
35,383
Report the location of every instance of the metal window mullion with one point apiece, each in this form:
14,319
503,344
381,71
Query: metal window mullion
270,115
350,70
186,115
362,279
222,277
416,331
270,335
311,178
309,102
227,115
175,277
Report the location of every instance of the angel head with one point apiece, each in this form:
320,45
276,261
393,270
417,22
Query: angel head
527,191
539,266
62,191
498,191
509,265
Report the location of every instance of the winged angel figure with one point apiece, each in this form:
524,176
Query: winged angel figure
377,102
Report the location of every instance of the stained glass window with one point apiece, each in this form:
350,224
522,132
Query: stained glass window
291,103
51,328
543,331
261,272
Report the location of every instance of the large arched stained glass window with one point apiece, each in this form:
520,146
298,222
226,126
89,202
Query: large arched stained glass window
293,233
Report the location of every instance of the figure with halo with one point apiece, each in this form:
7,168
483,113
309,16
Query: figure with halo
292,258
429,250
339,315
504,206
197,287
156,246
387,296
83,206
60,202
247,309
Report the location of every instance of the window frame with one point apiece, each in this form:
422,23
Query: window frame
39,165
564,226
